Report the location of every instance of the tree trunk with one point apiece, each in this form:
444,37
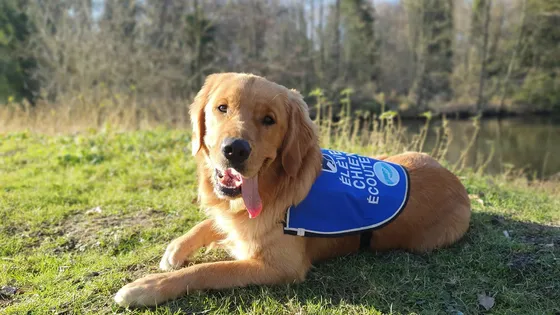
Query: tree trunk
321,68
335,50
198,44
481,101
505,81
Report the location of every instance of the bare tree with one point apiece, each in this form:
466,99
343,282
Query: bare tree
482,16
422,54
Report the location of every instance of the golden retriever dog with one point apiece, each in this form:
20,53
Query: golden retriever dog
258,154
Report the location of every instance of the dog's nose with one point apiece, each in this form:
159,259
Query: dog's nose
236,150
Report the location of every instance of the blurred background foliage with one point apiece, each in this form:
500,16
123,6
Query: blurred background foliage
447,56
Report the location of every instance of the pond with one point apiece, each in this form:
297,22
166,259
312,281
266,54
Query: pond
528,143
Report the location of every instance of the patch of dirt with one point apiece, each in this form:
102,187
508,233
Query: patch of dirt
541,240
540,236
7,294
529,233
89,229
522,261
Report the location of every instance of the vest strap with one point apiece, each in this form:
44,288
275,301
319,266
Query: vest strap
365,240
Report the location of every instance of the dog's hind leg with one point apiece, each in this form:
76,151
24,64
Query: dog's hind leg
437,213
184,246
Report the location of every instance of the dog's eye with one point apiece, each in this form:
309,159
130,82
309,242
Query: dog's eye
267,120
222,108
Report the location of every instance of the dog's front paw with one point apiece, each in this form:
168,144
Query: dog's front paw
175,255
151,290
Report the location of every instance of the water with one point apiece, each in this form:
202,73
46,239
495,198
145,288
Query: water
531,144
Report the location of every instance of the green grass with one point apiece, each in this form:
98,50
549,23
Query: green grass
66,257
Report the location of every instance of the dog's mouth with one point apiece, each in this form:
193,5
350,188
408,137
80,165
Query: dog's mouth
232,184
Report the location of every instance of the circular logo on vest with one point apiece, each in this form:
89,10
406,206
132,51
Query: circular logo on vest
386,173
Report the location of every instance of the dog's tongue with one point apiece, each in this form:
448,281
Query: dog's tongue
250,194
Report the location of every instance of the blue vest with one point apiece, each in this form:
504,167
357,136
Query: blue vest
352,194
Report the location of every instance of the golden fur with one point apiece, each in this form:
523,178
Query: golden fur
286,158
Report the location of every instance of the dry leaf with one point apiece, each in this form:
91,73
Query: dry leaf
486,301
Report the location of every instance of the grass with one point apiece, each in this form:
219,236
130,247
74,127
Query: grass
83,215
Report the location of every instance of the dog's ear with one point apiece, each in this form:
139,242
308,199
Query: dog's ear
196,112
300,136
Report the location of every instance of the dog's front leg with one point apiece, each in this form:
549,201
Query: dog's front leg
157,288
184,246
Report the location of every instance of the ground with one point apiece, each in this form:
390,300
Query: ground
83,215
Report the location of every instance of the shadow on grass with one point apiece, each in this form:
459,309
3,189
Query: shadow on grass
518,268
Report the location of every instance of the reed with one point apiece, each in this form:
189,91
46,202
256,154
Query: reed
340,126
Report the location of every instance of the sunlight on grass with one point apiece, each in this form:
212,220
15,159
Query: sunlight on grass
83,214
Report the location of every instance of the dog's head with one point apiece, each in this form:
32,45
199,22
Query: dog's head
245,125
